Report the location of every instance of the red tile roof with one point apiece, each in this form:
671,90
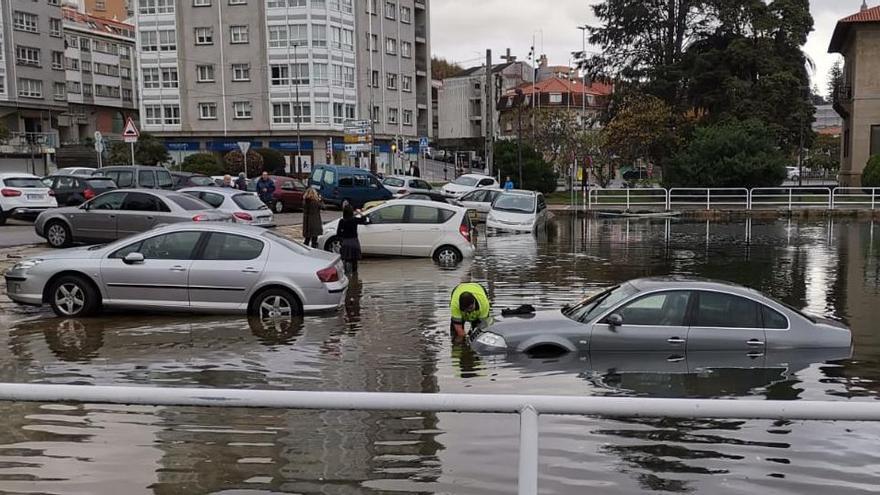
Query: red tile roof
844,25
869,15
557,85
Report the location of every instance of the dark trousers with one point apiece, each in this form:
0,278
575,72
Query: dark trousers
312,242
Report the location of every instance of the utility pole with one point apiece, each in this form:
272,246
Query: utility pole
519,104
490,115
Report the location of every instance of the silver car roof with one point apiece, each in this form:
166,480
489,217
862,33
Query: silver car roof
226,191
229,228
672,283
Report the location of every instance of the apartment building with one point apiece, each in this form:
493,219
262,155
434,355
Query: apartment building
99,60
117,10
394,67
33,89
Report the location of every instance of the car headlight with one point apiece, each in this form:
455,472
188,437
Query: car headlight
27,264
490,339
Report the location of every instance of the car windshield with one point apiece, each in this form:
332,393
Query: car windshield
101,183
393,182
289,244
515,203
24,182
465,181
201,180
595,305
189,203
249,202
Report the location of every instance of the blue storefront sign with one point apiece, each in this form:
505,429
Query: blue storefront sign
182,145
230,145
338,146
291,145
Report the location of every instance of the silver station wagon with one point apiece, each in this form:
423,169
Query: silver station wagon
673,315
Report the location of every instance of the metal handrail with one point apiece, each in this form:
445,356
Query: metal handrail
528,407
855,196
709,196
791,196
627,197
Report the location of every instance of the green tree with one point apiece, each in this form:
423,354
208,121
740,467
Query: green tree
824,154
538,175
643,129
728,154
4,132
443,69
835,80
273,160
871,174
148,150
233,163
203,163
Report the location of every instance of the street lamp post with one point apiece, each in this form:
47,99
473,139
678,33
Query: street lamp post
519,97
299,117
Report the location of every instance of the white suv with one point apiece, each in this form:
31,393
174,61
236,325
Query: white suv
23,196
407,227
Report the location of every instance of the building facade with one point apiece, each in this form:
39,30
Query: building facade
106,9
857,100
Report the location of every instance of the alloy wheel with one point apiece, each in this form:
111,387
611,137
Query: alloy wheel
56,234
70,299
275,306
447,256
279,207
335,246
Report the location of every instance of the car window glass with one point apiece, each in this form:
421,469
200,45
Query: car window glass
131,248
125,178
773,319
165,181
65,183
420,184
476,196
188,203
47,181
361,181
111,201
542,205
390,214
100,183
487,182
143,202
446,215
346,181
146,178
726,311
199,180
424,214
249,202
664,309
229,247
213,199
24,182
329,177
317,175
393,182
597,304
173,246
373,182
491,195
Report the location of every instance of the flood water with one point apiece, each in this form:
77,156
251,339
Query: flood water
392,336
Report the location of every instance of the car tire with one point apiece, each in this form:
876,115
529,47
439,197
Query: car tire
73,296
278,207
58,234
2,218
447,255
275,303
333,245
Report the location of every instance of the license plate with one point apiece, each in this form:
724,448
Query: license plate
14,287
262,220
35,197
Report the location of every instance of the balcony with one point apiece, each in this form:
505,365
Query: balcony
420,4
842,98
29,142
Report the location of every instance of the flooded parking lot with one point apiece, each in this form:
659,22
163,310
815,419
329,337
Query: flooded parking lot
392,335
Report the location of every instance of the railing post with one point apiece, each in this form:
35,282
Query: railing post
873,197
528,451
830,199
749,199
708,199
789,198
627,199
668,199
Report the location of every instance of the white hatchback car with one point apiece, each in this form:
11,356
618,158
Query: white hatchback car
479,202
245,207
412,228
400,185
470,182
518,211
24,196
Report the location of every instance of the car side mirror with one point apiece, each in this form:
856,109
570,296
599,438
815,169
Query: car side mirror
614,320
86,206
133,259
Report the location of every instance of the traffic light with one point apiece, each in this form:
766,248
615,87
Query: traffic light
394,147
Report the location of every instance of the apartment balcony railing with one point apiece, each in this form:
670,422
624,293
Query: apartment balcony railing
27,142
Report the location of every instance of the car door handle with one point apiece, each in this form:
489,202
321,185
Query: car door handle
676,340
755,343
755,354
178,268
675,359
250,270
151,218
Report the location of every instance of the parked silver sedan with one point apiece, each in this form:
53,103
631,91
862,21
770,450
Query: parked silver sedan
667,315
121,213
197,267
245,207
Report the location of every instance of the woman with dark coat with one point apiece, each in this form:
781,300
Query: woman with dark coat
313,226
351,246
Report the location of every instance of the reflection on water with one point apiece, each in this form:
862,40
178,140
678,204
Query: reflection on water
392,335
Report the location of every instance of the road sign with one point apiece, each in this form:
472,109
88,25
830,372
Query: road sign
98,136
130,134
99,146
423,143
244,146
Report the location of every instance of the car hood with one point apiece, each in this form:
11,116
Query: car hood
74,253
455,188
515,328
508,216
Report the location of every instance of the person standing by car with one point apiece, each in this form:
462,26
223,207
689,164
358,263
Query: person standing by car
508,185
469,304
241,182
265,188
351,246
312,224
227,182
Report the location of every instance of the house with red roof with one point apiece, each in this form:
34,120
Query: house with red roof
857,99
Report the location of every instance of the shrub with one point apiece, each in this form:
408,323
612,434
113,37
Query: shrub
538,175
203,163
234,163
871,174
273,160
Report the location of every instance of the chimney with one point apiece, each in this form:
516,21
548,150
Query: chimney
864,5
542,62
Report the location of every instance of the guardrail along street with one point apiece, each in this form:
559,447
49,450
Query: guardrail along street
759,198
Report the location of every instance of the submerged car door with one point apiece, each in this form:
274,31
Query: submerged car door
424,227
140,213
725,322
226,270
384,234
160,280
96,220
653,322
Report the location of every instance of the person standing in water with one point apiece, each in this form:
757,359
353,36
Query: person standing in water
312,225
347,231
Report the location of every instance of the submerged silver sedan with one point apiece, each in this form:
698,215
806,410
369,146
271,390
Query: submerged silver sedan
197,267
667,315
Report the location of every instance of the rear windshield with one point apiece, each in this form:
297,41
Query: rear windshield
24,183
249,202
394,182
188,203
289,244
101,183
201,180
465,181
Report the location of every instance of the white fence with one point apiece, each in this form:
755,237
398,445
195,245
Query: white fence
759,198
529,408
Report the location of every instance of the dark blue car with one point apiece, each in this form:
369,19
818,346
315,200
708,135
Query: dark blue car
355,185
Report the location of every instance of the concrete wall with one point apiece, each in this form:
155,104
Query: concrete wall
862,69
458,103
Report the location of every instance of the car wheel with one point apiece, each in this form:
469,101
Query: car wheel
58,234
275,304
73,296
447,255
334,245
279,207
2,218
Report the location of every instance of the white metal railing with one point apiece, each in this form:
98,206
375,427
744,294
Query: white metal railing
708,197
859,197
790,197
627,197
529,408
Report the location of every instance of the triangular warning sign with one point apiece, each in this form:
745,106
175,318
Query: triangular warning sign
131,130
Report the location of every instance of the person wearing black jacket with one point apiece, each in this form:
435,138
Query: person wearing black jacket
347,231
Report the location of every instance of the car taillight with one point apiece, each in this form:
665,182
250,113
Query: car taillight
10,193
51,193
200,218
401,191
243,216
465,229
88,194
327,275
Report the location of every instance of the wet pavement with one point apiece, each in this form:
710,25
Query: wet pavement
392,335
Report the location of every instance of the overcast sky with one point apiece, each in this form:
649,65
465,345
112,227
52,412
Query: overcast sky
462,30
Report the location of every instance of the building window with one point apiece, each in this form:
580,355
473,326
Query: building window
280,4
299,35
127,95
167,40
277,36
25,55
237,2
125,72
372,42
72,63
241,72
405,14
322,112
391,46
204,36
390,10
205,73
74,87
87,89
86,65
281,113
875,140
319,35
23,21
30,88
172,114
238,35
319,4
407,117
392,115
406,83
58,60
376,114
153,114
346,6
371,7
59,91
201,3
406,49
391,81
169,77
349,77
71,41
349,112
280,75
302,112
347,39
338,113
300,73
150,76
320,75
150,41
374,79
55,27
148,7
337,76
207,111
242,110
